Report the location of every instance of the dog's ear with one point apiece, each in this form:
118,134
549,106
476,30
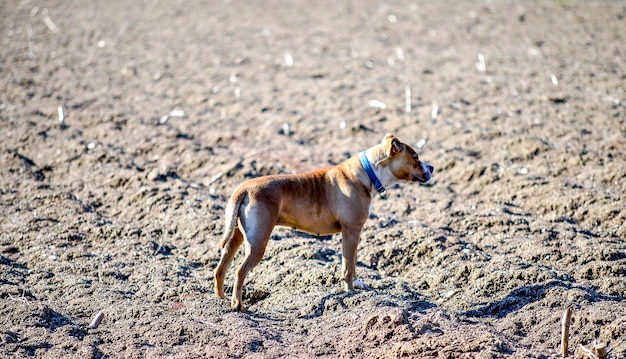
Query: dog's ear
388,137
392,147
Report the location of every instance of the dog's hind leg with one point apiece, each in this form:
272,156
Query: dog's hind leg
228,253
257,222
254,254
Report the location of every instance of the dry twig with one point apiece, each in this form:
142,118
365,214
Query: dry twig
565,322
173,113
288,60
617,101
377,104
407,98
434,112
481,64
51,25
96,320
61,116
400,54
554,80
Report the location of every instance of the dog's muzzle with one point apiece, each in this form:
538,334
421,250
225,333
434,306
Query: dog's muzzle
428,171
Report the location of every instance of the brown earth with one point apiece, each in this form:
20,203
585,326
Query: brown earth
120,209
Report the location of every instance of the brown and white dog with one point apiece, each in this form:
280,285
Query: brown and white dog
330,200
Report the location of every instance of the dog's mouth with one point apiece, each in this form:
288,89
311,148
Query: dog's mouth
422,179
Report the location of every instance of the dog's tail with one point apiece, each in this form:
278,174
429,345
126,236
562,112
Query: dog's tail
232,212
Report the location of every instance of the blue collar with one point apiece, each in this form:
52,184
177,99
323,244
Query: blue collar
367,166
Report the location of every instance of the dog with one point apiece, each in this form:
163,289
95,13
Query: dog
326,201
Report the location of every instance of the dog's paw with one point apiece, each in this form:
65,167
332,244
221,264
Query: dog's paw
359,284
219,293
236,305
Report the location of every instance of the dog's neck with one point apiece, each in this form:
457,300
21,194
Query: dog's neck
375,155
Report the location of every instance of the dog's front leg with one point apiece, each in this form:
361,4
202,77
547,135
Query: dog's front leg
349,244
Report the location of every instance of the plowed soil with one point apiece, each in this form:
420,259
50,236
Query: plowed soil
168,105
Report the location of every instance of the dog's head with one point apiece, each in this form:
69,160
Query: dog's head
403,161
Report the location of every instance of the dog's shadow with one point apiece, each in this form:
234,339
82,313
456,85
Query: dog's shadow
528,294
334,300
379,296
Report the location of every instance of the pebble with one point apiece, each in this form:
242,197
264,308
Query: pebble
153,175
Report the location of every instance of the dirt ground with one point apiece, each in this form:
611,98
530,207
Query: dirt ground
168,105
